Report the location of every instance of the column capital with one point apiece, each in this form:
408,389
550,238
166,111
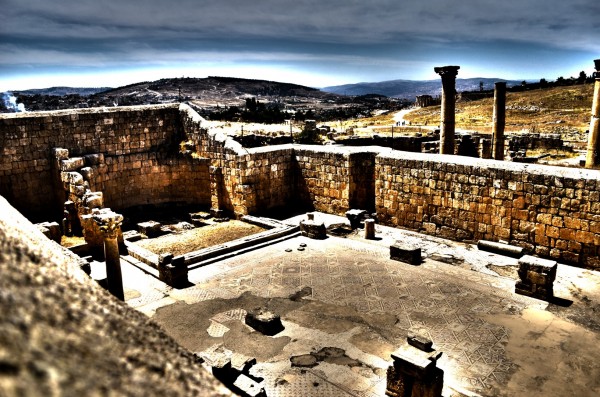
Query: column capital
108,221
446,71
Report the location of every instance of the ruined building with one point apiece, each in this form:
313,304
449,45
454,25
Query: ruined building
164,154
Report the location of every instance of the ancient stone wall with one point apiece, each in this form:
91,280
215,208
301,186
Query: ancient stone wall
551,211
140,143
255,180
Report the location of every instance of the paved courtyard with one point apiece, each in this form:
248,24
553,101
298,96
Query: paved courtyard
346,293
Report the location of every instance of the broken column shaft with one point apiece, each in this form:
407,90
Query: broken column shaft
499,121
110,223
593,149
447,127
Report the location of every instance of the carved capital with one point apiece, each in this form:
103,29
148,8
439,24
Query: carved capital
108,221
447,71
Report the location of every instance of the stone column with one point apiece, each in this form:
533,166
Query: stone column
499,120
593,149
448,74
110,224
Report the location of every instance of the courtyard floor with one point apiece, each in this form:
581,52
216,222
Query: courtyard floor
346,293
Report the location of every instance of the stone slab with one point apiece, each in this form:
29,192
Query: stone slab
407,253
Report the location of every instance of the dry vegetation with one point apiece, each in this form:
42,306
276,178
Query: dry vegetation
202,237
563,110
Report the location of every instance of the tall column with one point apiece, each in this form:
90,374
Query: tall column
593,149
110,223
499,120
448,74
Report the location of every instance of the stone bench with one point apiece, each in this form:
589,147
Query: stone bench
536,277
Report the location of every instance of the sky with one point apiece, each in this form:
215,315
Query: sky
99,43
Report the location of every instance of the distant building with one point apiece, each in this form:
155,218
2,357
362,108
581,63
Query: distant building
426,100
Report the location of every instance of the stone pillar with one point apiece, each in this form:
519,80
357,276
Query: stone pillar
499,120
110,224
448,74
593,149
369,229
216,192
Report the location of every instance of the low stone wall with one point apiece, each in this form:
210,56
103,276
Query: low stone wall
551,211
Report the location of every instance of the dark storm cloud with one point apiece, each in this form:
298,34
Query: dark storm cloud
335,21
382,33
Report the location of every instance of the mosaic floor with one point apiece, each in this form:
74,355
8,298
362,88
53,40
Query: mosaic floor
454,307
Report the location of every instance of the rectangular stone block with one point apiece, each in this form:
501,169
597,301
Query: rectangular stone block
536,277
72,164
405,253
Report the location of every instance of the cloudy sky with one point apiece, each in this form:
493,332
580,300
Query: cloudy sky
313,42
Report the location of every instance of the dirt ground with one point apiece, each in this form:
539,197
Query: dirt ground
198,238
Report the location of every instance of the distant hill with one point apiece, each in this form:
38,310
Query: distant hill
409,89
61,91
216,87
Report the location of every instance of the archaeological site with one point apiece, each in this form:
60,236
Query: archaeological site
145,252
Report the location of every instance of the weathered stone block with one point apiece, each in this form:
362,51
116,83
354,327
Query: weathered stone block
50,230
536,277
60,153
73,178
94,159
173,270
313,229
405,253
264,321
93,200
72,164
150,228
356,217
414,373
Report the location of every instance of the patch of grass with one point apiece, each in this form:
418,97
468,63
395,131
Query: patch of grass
559,110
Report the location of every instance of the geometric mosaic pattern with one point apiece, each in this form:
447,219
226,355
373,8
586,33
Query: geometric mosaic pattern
443,301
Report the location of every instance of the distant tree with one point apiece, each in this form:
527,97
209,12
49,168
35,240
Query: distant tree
582,77
560,81
481,86
543,83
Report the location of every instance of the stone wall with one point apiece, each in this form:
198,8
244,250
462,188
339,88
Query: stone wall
141,143
551,211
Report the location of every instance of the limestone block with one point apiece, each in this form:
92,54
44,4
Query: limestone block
72,164
73,178
173,270
60,154
87,173
93,200
405,253
264,321
50,230
356,216
312,228
150,228
536,277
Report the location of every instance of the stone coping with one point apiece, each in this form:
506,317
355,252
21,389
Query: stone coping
95,110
